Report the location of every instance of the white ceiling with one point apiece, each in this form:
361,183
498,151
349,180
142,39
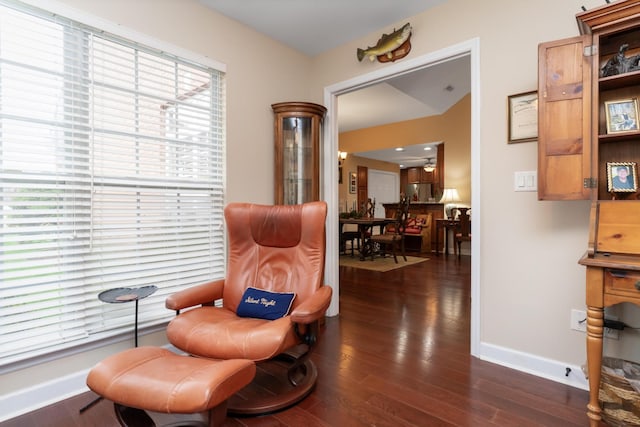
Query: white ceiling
427,92
411,155
422,93
315,26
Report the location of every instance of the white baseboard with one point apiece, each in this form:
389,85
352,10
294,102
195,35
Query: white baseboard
32,398
535,365
46,393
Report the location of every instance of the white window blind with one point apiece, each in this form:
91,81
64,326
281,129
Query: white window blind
111,175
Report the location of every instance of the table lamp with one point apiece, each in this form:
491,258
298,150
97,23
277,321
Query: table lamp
449,197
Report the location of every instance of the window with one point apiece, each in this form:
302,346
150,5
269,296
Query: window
111,175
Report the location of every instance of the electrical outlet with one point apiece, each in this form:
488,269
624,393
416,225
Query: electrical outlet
579,323
578,320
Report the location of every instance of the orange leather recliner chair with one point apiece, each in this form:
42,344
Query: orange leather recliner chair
279,249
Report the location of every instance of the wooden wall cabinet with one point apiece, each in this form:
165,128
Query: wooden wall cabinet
428,177
564,110
418,175
297,127
415,175
574,145
404,180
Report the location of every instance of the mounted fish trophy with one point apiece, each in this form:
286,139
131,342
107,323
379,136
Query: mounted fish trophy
390,46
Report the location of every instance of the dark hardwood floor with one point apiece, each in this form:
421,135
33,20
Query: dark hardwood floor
397,356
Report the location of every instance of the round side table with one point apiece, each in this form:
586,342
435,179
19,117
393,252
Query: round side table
120,295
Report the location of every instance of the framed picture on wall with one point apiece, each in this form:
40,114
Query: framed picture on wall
622,115
523,117
353,182
622,177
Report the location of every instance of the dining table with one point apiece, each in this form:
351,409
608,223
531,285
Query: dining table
365,228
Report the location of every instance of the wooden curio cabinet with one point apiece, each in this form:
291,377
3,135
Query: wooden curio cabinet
297,128
588,96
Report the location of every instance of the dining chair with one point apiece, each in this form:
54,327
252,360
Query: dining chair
463,233
351,236
394,239
369,207
367,211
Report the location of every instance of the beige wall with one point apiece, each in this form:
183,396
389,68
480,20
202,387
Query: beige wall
453,128
529,274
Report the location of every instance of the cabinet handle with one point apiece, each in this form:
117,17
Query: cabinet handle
618,273
637,285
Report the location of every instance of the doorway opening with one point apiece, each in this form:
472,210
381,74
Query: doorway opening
330,178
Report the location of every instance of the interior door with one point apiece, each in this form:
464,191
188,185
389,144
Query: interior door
383,186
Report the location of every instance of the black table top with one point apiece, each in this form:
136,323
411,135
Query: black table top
119,295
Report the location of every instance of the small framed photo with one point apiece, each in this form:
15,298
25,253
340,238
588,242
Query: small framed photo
622,115
523,117
622,177
353,182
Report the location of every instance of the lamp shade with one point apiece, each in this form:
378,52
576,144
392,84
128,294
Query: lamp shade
450,195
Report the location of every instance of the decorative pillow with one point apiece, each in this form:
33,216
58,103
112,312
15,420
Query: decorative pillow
263,304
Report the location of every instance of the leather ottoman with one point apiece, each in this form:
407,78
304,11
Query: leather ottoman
156,379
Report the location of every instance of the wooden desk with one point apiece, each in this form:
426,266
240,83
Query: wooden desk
365,226
613,276
446,224
610,280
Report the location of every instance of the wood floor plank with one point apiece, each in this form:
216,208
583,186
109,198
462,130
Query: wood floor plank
400,410
398,355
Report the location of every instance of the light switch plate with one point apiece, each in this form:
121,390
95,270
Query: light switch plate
525,181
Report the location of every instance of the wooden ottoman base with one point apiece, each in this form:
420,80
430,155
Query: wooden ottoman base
158,380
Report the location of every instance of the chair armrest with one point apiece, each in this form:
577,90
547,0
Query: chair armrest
204,293
314,307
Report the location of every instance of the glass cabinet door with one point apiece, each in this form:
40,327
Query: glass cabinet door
298,157
297,152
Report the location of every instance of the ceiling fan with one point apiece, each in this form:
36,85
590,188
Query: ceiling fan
430,165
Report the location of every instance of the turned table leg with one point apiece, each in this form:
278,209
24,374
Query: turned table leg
595,322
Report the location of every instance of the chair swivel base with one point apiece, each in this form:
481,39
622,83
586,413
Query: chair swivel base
270,391
133,417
